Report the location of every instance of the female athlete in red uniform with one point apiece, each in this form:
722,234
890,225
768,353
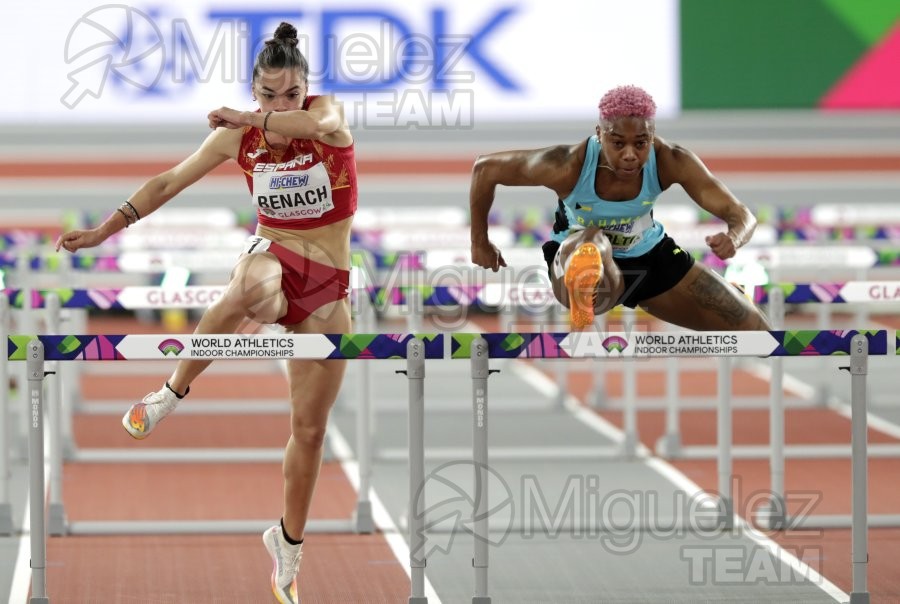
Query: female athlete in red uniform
298,157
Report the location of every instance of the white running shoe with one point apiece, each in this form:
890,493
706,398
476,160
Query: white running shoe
140,420
286,565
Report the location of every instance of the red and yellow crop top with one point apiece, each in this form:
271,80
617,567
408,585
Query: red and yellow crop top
308,185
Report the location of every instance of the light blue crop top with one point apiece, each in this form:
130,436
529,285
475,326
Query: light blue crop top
629,225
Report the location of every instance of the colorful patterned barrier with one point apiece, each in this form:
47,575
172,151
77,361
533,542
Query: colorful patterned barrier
500,345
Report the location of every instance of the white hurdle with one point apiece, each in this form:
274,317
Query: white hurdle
62,449
590,344
34,368
6,520
773,515
311,346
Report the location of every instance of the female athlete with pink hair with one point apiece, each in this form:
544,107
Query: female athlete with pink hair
606,248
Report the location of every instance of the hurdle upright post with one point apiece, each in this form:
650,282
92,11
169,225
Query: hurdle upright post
669,444
724,438
362,518
25,324
415,373
56,512
859,352
561,369
823,323
6,523
480,373
776,514
599,396
632,439
34,368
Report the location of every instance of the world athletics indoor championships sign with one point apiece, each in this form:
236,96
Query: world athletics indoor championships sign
211,347
450,346
591,344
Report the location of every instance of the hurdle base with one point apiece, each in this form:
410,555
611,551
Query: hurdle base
57,525
481,600
198,527
668,446
507,453
418,600
826,521
39,601
6,519
179,455
363,518
859,597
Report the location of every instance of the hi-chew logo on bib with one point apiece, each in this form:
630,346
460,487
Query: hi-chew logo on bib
288,181
294,194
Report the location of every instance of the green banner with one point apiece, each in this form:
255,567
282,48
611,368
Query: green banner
777,54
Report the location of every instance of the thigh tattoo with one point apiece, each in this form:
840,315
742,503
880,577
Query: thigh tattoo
712,294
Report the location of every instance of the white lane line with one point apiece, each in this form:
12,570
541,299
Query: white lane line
800,568
21,580
383,520
542,383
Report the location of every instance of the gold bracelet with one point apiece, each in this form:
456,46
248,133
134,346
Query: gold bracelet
266,121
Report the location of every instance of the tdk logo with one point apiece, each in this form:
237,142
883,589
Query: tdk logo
290,181
410,47
379,48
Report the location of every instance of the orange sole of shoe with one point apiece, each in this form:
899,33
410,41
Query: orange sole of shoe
137,421
582,277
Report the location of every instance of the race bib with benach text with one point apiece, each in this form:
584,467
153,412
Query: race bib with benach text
293,194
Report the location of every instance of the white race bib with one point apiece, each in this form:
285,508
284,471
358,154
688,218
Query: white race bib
627,235
294,194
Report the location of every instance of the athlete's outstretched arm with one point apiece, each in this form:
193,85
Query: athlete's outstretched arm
218,147
552,167
682,166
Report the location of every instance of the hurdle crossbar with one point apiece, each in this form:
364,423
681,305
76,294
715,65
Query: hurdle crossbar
6,521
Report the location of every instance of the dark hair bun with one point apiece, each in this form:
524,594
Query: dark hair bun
286,34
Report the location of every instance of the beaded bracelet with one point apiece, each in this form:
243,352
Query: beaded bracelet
129,213
125,216
134,211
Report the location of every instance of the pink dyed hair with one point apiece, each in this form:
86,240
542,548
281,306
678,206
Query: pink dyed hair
627,101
